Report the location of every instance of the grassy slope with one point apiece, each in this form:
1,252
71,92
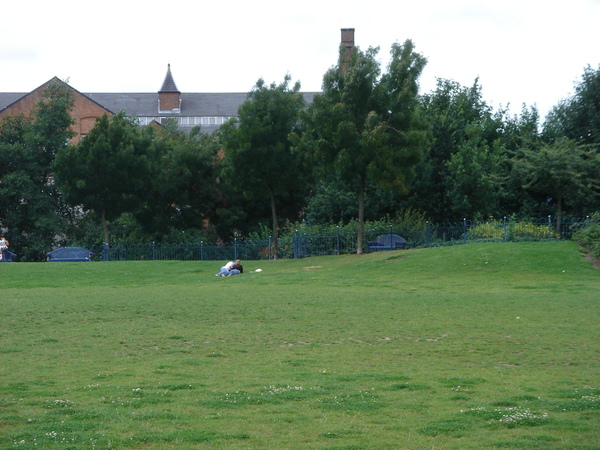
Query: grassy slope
383,350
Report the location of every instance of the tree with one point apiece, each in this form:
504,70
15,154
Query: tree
578,117
259,157
109,171
367,127
560,171
30,205
464,135
473,176
183,191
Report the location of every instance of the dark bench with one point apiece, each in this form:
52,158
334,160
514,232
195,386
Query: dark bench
69,254
387,242
8,256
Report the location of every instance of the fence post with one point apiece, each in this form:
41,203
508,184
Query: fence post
153,251
427,234
504,229
465,230
337,239
234,248
549,228
270,255
105,251
296,244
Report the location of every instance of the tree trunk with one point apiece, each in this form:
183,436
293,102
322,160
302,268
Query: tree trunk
275,226
105,227
361,214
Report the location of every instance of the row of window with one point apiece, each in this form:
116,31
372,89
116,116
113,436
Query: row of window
187,121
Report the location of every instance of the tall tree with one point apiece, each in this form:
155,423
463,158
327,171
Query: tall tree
365,126
462,123
30,205
259,156
560,171
474,176
578,117
183,190
109,171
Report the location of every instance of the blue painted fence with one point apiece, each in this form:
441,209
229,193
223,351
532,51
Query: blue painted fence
304,243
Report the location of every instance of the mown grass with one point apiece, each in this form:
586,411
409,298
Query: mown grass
492,345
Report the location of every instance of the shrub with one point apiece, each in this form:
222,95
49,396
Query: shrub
589,236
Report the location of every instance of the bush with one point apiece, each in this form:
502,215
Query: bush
589,236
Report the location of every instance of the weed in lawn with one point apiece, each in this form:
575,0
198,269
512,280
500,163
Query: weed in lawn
509,417
580,399
264,396
360,401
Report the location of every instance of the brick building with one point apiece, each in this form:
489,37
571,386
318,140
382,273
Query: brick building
207,110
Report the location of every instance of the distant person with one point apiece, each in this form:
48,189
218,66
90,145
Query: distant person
231,268
3,246
237,266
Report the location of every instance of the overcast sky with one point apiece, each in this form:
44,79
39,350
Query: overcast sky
523,51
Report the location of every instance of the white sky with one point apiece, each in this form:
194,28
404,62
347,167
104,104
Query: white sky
523,51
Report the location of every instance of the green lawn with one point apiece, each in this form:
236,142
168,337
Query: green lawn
474,346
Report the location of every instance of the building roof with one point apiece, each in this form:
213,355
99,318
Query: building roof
169,83
192,104
146,105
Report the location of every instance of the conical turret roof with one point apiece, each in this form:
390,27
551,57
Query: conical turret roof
169,83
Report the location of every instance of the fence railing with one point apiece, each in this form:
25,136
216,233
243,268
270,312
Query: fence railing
304,243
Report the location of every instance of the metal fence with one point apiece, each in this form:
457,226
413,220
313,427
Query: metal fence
304,242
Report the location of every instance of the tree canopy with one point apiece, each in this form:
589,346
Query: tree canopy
367,126
259,157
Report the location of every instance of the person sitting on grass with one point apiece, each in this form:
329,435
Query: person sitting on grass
231,268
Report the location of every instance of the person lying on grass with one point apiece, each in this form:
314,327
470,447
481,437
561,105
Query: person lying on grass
231,268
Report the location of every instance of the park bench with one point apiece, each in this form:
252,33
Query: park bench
387,242
69,254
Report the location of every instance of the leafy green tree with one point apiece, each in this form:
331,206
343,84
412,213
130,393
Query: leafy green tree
578,117
30,205
519,132
561,171
108,172
474,176
464,135
367,126
183,192
259,158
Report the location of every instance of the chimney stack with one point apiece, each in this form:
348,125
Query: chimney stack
348,45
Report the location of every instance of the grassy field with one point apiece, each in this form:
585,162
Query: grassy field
475,346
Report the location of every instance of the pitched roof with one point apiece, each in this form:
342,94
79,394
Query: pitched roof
192,104
8,99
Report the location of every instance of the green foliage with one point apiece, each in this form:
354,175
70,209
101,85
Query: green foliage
368,127
588,236
563,170
30,205
259,158
460,174
511,231
578,117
